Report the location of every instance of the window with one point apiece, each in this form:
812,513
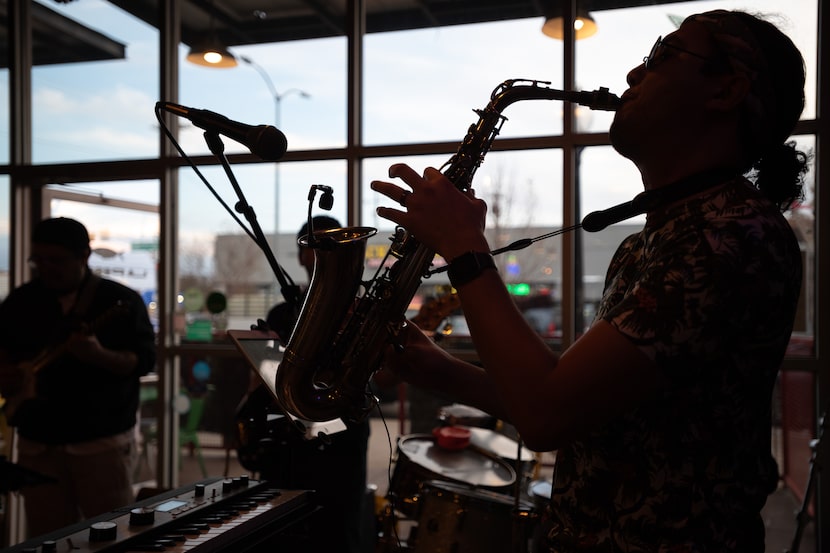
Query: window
95,101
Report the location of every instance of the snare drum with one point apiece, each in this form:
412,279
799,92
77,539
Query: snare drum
457,519
420,459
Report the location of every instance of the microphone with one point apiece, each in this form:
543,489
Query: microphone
264,141
598,220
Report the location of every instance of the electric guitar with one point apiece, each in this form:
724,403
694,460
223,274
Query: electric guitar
433,311
49,355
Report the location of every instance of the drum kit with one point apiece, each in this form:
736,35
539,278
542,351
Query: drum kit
464,488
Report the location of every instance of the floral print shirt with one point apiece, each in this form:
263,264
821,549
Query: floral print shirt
708,290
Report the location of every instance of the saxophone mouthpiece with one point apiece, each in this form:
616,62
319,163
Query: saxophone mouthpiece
600,99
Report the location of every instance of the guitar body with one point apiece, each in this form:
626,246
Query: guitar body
31,367
28,389
436,310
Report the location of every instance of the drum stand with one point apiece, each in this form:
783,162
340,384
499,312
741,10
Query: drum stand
803,517
523,519
523,522
387,537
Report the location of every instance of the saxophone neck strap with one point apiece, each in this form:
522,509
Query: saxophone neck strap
684,188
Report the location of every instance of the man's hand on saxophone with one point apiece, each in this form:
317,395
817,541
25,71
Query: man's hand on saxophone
438,214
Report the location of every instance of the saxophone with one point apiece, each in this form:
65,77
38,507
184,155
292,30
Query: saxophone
339,340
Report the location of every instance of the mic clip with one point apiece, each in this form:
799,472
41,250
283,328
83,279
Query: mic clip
326,202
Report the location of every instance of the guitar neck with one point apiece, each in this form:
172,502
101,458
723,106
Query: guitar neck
50,354
47,357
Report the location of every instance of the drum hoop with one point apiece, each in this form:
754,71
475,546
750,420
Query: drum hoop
472,447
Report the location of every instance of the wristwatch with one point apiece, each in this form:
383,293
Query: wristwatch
468,266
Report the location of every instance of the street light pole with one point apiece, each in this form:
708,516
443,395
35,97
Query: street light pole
278,97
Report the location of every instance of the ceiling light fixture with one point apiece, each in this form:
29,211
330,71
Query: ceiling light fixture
584,25
210,52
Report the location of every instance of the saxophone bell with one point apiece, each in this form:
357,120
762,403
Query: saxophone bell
309,381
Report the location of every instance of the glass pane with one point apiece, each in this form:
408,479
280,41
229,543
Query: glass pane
95,101
605,179
124,230
5,123
225,282
5,237
215,253
625,36
299,87
422,85
803,220
523,190
211,387
122,220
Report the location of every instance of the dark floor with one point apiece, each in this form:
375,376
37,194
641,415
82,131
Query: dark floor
779,512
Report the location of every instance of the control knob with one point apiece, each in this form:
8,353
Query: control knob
103,531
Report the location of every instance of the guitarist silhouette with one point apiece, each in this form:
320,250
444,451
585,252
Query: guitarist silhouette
79,334
72,349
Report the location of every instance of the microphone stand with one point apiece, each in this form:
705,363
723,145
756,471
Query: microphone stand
803,516
523,519
290,291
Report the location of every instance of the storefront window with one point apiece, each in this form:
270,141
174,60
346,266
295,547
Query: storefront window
217,256
94,84
297,86
5,236
422,85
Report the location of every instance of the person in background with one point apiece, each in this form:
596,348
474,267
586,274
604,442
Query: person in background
72,348
336,470
661,412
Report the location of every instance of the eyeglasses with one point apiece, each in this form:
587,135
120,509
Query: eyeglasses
651,58
50,260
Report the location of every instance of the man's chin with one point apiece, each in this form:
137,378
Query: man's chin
620,141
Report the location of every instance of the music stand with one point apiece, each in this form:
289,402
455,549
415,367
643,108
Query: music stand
263,353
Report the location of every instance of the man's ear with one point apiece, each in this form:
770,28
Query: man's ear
731,93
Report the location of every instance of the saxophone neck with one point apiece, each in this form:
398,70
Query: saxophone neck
461,168
515,90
